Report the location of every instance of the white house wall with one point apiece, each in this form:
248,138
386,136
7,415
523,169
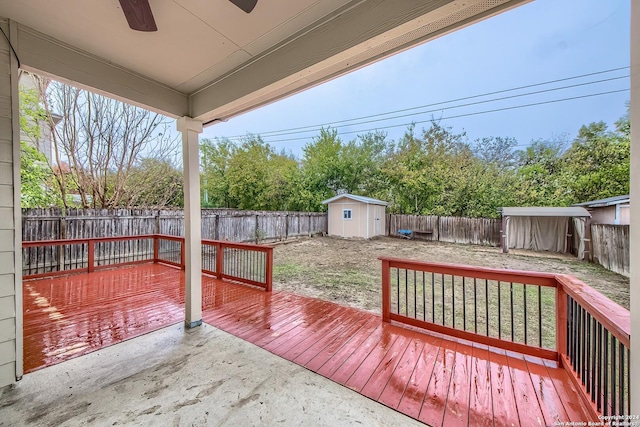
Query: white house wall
10,318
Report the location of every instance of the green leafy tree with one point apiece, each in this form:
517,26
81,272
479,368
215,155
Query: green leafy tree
539,177
598,162
35,178
214,166
154,182
35,174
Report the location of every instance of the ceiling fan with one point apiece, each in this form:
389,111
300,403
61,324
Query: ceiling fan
140,17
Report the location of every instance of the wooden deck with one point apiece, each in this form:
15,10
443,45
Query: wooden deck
436,380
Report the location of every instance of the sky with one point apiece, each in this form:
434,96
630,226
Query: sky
539,42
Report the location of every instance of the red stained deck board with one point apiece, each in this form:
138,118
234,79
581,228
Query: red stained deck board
567,394
505,412
343,343
480,399
380,336
550,404
68,316
457,408
330,342
529,410
346,325
428,377
358,343
383,373
316,323
435,399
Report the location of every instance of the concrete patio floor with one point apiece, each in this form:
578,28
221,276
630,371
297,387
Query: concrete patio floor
199,377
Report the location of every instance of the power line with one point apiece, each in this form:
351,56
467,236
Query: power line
266,133
451,107
464,115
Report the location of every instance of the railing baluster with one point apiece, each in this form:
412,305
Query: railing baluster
499,311
443,322
486,304
398,286
424,301
415,296
464,305
599,377
594,358
433,297
577,335
605,396
589,365
453,301
614,360
540,314
524,304
511,312
475,306
621,380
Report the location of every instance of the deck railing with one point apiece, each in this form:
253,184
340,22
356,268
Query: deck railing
542,314
594,346
246,263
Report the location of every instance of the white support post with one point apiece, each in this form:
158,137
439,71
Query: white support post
634,379
190,129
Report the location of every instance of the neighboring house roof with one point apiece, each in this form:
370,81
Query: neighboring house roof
609,201
573,211
362,199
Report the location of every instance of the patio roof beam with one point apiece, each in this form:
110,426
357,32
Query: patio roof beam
49,57
359,34
190,130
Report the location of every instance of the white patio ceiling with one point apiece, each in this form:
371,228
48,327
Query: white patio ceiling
209,60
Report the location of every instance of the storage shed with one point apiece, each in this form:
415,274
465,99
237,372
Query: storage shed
356,216
553,229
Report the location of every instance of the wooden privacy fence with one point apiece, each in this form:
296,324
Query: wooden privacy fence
241,262
217,224
474,231
553,316
610,247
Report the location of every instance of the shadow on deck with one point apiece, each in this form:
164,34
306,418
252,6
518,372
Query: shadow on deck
430,377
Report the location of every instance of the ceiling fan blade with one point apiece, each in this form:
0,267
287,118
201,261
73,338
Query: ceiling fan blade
139,15
246,5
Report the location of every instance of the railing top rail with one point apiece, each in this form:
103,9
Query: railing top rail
615,318
237,245
515,276
58,242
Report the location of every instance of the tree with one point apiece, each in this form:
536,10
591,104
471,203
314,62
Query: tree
154,182
214,164
35,173
103,141
598,162
539,177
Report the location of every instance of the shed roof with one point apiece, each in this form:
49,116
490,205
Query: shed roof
609,201
572,211
362,199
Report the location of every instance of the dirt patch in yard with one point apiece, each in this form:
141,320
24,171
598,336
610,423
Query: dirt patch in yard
348,271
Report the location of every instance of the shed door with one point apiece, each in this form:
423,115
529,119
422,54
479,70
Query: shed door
377,221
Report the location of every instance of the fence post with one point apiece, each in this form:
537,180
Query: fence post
91,255
216,224
219,260
157,222
561,320
386,291
286,226
269,270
